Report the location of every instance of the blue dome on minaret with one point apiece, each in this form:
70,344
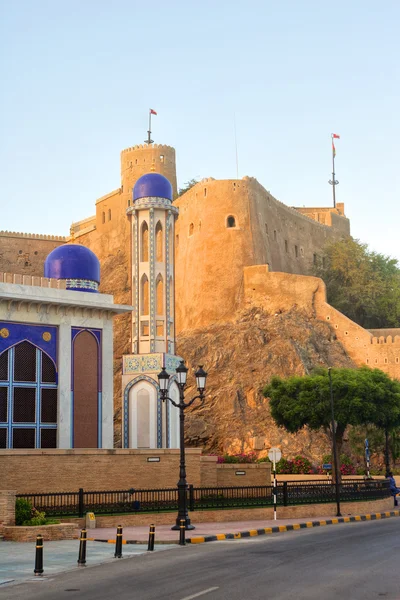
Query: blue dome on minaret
152,185
78,265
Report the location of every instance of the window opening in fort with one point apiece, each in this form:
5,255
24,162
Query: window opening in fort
20,252
205,192
286,246
109,214
191,228
28,398
162,158
145,295
296,251
266,228
136,162
274,235
159,295
144,254
314,259
103,217
159,242
230,222
129,202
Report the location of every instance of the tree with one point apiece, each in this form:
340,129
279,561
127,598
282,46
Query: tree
186,186
361,396
362,284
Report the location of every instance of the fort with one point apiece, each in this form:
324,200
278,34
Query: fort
236,246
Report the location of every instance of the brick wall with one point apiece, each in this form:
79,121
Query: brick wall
233,475
50,533
35,471
7,508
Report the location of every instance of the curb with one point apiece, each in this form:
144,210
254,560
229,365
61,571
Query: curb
294,527
267,530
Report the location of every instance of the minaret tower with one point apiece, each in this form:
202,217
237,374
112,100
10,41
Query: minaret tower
148,424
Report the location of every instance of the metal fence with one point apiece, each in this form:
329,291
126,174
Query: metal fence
289,493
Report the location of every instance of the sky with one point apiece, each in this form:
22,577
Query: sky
77,79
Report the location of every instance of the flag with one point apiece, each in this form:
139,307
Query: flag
335,135
152,112
333,149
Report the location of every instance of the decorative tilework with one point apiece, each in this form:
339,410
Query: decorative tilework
142,363
82,284
152,281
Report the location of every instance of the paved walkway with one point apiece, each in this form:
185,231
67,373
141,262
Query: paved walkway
17,559
203,531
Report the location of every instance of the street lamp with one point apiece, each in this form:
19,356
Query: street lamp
334,447
163,379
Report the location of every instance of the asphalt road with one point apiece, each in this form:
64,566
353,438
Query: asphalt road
358,561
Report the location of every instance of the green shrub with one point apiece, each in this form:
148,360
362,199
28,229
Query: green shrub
23,511
38,518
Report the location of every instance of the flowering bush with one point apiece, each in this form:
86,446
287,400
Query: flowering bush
346,466
301,465
250,457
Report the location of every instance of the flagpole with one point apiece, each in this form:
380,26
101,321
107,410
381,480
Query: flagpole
149,140
334,182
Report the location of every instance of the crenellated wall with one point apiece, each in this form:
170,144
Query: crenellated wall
25,253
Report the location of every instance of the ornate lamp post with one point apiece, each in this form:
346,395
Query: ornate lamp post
163,379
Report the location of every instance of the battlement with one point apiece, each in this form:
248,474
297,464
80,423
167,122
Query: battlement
34,236
31,280
147,146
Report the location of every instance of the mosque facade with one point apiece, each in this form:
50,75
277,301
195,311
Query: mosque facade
56,355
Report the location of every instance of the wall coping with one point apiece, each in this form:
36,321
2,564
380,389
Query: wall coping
97,451
244,466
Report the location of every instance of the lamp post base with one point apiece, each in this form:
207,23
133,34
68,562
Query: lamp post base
188,525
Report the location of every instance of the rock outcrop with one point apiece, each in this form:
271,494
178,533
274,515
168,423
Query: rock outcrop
241,357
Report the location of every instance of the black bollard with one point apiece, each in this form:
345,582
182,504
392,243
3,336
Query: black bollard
182,540
118,543
152,533
82,548
39,556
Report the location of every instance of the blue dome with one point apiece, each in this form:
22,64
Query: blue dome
75,263
152,185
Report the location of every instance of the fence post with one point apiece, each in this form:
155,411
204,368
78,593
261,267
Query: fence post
191,497
81,506
285,493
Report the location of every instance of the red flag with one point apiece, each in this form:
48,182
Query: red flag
152,112
335,135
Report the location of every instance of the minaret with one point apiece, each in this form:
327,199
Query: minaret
152,220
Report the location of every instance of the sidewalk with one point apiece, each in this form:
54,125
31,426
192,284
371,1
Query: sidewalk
210,532
17,559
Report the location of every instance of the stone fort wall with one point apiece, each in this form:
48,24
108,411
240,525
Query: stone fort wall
25,253
224,226
276,292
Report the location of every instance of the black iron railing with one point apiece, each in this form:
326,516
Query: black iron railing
160,500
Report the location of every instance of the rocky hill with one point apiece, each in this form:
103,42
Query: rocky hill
241,357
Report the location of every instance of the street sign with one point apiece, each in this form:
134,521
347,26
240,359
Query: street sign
327,466
274,454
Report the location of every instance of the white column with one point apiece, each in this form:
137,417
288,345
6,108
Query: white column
64,419
107,404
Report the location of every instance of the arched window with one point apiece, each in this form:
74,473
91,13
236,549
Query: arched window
230,221
109,214
103,217
191,228
143,419
145,295
28,398
159,295
144,253
159,242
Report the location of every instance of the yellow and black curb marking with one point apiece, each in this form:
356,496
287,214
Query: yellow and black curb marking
267,530
293,527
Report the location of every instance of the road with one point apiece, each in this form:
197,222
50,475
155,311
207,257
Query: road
358,561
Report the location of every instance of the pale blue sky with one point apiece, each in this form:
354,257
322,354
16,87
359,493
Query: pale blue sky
78,77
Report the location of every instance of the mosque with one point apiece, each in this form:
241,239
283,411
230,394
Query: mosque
56,341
